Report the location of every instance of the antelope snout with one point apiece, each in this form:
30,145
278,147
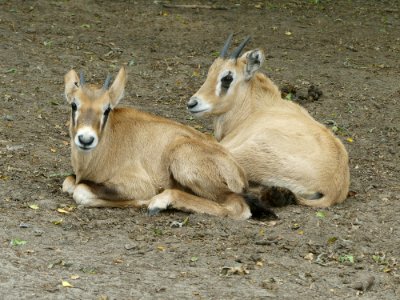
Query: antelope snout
198,106
192,103
86,138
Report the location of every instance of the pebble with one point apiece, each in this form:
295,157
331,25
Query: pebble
38,232
270,284
9,118
131,246
24,225
365,284
176,224
14,148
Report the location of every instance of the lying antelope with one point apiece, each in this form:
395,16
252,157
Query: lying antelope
122,157
276,141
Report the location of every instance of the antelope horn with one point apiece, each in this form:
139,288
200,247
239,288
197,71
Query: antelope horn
81,79
107,82
224,50
235,54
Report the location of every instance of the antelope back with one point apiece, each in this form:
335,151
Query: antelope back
227,77
91,106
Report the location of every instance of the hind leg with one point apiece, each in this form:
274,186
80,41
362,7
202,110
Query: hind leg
207,169
233,205
209,172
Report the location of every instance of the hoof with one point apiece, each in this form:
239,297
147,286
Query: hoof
153,211
159,203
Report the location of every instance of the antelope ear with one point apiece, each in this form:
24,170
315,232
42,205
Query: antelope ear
254,60
118,87
71,81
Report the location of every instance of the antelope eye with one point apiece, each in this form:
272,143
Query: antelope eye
107,111
226,81
73,106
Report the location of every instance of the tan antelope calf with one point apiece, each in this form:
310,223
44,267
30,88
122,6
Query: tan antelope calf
122,157
276,141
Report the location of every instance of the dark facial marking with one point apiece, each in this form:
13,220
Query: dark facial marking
74,108
106,113
226,81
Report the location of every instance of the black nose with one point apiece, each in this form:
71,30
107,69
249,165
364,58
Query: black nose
85,141
192,103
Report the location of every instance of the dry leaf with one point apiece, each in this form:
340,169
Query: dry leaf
74,277
34,206
118,261
387,270
66,284
63,211
295,226
309,256
332,240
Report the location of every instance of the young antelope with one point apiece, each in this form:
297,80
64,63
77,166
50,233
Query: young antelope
122,157
276,141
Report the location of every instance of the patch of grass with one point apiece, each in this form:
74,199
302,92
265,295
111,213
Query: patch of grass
346,258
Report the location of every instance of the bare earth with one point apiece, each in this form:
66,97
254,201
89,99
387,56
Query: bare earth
348,49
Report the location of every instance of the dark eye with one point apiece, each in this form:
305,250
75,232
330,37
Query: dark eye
107,111
226,81
73,106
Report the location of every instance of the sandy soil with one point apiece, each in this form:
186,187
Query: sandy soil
348,49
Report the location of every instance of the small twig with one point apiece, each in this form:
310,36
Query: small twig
105,45
194,6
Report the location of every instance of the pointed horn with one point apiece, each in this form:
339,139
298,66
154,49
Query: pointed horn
81,79
235,54
224,50
106,84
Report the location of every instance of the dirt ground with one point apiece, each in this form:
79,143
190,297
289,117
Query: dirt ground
348,49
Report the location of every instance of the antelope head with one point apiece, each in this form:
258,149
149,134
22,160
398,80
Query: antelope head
91,106
227,76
